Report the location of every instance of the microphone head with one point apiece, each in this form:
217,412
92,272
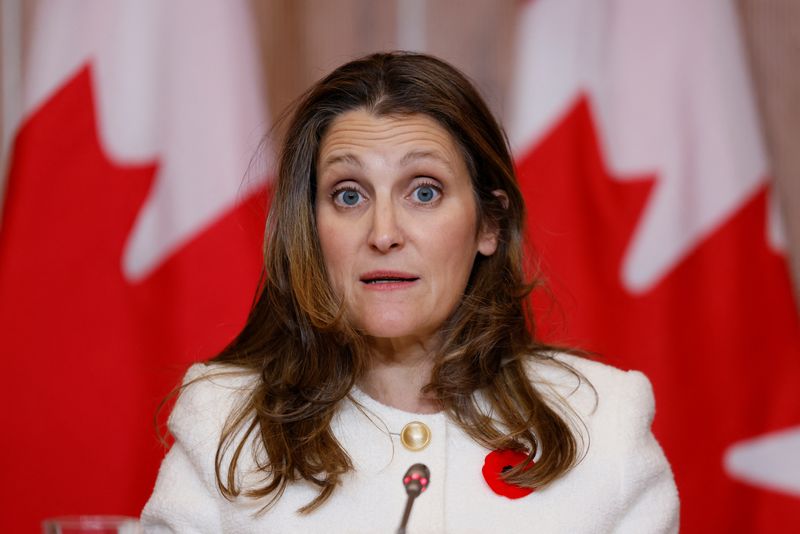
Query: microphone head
416,479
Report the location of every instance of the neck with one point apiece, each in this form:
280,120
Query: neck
397,375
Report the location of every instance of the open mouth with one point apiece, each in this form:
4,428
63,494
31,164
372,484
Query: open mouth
388,278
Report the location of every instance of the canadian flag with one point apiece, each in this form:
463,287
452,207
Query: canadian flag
130,240
641,159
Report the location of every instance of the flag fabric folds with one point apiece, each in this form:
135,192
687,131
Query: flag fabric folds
650,212
130,239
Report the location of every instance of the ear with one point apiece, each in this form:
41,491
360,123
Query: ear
490,233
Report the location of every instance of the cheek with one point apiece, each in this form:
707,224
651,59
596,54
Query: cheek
335,255
454,249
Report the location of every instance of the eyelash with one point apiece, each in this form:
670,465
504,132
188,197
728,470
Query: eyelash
424,183
342,189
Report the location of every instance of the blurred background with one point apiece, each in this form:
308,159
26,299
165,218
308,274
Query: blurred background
655,143
298,41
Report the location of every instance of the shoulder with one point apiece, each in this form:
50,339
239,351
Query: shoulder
186,496
208,395
611,410
616,410
592,388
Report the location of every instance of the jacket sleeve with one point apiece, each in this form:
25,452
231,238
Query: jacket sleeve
186,498
648,497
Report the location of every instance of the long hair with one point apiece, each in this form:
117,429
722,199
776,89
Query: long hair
308,357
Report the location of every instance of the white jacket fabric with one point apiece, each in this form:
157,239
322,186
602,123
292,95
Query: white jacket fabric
623,484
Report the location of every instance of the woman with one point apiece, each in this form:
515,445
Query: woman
391,329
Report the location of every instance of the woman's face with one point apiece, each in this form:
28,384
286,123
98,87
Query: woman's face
397,222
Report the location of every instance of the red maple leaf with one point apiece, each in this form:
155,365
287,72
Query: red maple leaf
88,355
718,336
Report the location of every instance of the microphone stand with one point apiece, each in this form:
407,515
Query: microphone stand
416,481
409,503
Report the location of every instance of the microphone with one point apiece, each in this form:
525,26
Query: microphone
416,481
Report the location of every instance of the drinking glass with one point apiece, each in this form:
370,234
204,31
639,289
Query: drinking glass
92,524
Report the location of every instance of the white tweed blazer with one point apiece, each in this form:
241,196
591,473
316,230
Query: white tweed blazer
623,484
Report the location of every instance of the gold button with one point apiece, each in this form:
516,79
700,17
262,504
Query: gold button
415,436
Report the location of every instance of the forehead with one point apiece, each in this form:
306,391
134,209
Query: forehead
390,135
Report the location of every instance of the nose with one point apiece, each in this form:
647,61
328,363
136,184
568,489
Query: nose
386,233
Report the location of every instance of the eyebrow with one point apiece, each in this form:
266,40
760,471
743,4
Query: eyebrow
347,157
414,155
426,154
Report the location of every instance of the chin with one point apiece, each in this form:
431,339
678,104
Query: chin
393,326
389,331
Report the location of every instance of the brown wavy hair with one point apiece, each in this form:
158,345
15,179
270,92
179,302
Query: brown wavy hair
308,357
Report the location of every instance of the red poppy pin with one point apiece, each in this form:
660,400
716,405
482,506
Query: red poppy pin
497,463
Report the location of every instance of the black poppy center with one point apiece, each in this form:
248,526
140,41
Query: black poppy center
507,468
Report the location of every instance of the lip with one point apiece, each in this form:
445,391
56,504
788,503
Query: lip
392,280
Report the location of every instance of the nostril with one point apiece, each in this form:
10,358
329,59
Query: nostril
386,240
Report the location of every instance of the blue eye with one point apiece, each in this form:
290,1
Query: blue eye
425,193
348,197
